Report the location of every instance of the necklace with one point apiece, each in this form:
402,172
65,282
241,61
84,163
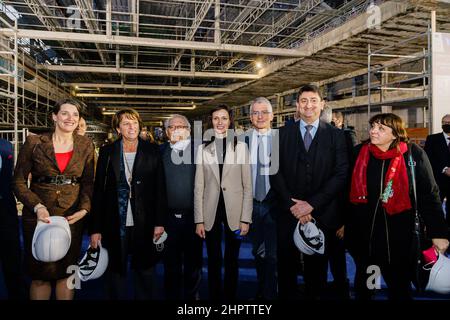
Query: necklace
127,166
130,173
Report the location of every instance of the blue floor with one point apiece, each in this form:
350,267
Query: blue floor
247,280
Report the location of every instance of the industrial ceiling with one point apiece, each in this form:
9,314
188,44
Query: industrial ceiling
188,55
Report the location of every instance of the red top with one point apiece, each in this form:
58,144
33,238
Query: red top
63,159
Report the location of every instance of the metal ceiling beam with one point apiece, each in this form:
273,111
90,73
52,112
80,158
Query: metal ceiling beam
244,20
152,42
81,85
200,12
43,13
268,32
320,20
149,72
138,96
144,103
86,11
155,109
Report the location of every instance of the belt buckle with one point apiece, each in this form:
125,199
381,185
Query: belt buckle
59,179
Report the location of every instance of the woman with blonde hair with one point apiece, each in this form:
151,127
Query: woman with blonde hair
129,207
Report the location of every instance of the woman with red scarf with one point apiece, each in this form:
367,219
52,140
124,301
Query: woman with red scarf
379,229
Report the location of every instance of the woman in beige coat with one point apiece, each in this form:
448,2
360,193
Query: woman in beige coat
222,200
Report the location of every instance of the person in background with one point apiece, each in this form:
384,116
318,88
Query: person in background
146,135
223,200
340,287
437,147
326,114
129,207
337,119
263,233
313,169
183,257
61,164
10,253
380,226
82,127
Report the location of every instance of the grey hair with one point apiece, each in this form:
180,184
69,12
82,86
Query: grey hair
174,116
445,116
326,114
263,101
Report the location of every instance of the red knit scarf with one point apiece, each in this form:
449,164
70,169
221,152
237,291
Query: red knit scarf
395,198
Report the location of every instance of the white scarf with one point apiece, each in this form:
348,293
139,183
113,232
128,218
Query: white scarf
180,145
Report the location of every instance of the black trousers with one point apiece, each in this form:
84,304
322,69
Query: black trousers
263,234
143,280
315,266
390,254
338,266
10,254
214,249
396,274
288,258
183,258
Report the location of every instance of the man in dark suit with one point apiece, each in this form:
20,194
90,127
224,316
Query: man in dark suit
263,233
10,255
313,169
437,147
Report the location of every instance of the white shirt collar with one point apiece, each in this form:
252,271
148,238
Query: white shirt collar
315,124
257,133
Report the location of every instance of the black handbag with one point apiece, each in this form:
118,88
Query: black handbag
420,240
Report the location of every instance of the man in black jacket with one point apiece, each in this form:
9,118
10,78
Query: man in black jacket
313,170
10,255
437,147
183,257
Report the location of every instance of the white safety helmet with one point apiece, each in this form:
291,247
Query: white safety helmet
51,241
309,239
160,242
93,264
439,280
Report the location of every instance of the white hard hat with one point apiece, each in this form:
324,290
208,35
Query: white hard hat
309,239
160,242
93,264
51,241
439,280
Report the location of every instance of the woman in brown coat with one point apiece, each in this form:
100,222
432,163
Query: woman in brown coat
61,164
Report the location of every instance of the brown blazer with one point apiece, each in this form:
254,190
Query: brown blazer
37,156
236,186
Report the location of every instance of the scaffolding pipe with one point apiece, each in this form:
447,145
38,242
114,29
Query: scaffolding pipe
391,55
400,89
368,80
401,72
217,35
399,43
16,92
430,77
